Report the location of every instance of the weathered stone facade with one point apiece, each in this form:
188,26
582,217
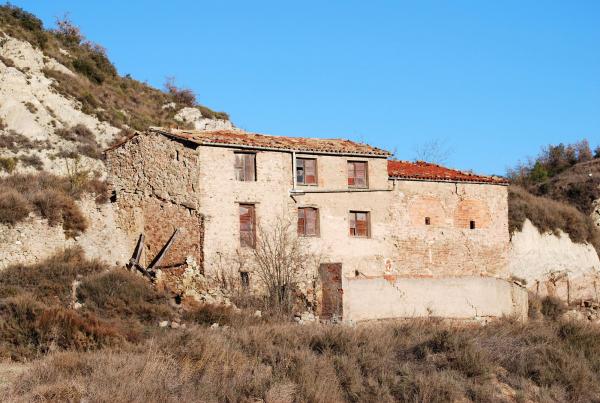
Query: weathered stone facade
417,228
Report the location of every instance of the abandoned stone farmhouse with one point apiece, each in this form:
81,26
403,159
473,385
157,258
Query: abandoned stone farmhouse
394,238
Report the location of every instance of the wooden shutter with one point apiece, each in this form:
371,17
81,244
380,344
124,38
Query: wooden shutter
310,167
311,221
247,225
362,224
301,222
250,167
350,173
360,174
239,167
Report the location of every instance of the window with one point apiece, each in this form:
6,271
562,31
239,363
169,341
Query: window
306,171
247,225
357,174
472,224
245,167
308,221
359,223
245,279
427,221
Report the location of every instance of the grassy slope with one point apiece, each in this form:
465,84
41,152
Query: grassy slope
112,346
101,91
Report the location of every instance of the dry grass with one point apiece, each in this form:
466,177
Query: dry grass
84,138
413,361
49,196
549,215
112,348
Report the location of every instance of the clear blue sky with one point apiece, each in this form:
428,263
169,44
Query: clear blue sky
495,80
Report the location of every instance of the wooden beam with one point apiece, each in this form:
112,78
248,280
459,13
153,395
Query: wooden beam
163,251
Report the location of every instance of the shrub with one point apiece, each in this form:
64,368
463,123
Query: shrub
88,145
53,197
549,215
552,307
182,96
14,141
13,206
31,107
122,294
8,164
50,280
32,161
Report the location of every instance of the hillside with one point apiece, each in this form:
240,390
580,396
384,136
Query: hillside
62,98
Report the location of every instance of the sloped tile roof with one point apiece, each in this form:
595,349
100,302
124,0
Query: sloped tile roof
427,171
301,144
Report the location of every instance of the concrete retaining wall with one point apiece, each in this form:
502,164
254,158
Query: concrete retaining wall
451,297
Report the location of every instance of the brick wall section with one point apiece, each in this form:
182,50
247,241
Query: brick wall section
156,185
448,247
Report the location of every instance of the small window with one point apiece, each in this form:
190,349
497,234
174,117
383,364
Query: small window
308,221
306,171
427,221
245,279
359,224
357,174
247,225
245,167
472,224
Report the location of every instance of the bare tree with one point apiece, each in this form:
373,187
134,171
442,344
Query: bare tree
435,151
281,257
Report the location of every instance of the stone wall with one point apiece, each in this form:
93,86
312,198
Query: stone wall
155,180
471,298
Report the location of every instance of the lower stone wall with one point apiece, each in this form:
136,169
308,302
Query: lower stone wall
468,298
157,220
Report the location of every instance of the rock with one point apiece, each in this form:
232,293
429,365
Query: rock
574,315
194,116
175,325
214,326
257,314
164,323
169,105
77,305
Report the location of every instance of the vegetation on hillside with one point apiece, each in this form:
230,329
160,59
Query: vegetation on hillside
51,197
556,189
112,346
98,87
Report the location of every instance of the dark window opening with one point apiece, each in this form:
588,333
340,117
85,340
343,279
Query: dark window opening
357,174
472,224
427,221
306,171
308,221
245,279
245,167
359,224
247,225
113,196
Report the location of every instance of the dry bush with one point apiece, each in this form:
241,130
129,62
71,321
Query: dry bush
13,206
15,142
50,280
552,307
549,215
124,295
30,329
32,161
8,164
52,197
87,144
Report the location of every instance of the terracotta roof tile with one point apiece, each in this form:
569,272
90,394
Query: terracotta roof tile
427,171
302,144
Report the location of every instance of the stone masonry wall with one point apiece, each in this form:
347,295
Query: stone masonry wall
156,189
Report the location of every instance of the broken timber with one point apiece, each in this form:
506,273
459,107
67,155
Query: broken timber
150,271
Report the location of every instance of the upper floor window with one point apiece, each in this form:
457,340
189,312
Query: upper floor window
359,224
245,167
357,174
308,221
247,225
306,171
